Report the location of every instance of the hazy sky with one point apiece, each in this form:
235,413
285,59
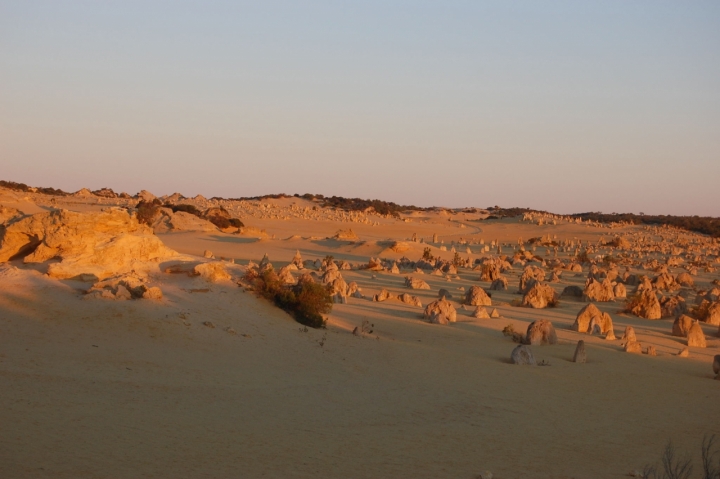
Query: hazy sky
566,106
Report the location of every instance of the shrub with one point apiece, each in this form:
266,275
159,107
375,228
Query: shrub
457,260
427,255
219,221
674,467
185,209
236,223
306,301
146,211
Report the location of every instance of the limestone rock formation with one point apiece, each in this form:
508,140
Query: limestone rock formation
90,246
580,355
696,336
541,332
383,295
597,291
212,272
415,283
682,325
629,334
582,321
476,296
523,356
540,296
499,284
646,305
411,300
480,313
440,307
633,347
530,276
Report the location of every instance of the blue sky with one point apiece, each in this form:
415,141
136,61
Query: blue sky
565,106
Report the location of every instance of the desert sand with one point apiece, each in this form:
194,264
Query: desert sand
211,381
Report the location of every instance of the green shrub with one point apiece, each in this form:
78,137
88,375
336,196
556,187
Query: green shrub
306,301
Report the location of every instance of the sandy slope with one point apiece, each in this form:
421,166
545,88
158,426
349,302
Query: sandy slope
127,389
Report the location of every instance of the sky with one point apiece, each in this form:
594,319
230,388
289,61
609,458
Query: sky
565,106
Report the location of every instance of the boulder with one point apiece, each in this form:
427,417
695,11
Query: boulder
540,296
684,279
646,305
440,307
541,332
522,355
411,300
212,272
682,325
499,284
415,283
383,295
90,246
620,291
580,356
696,336
480,313
476,296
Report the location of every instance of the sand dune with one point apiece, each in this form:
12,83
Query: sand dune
211,381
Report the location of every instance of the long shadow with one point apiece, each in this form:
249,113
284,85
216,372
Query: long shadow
233,239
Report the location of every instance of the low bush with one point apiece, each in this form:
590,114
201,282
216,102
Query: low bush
305,301
674,466
146,211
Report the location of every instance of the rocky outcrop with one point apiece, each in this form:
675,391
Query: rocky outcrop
476,296
480,313
89,247
530,276
646,305
540,296
591,320
682,325
597,291
212,272
441,312
167,222
415,283
409,299
696,337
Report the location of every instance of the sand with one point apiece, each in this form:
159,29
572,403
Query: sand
141,388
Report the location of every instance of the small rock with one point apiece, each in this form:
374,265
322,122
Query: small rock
494,313
684,353
209,324
716,364
650,351
633,347
523,355
208,254
580,356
